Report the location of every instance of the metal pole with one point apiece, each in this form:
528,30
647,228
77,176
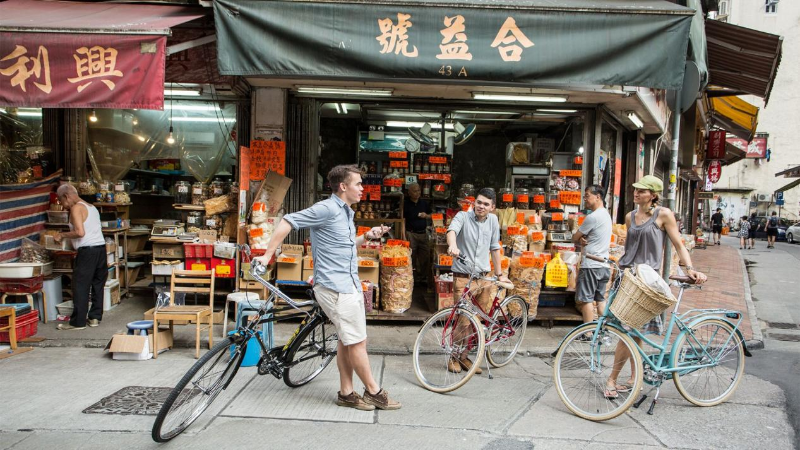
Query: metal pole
673,176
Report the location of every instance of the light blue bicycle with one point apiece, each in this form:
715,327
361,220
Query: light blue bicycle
705,361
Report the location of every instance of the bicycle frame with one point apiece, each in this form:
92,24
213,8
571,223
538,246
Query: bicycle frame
467,302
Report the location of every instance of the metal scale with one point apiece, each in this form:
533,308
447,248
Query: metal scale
167,228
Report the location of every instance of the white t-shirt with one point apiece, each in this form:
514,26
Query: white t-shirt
597,230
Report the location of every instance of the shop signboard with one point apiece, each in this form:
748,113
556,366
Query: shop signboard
705,195
757,148
267,156
54,70
714,171
506,41
716,145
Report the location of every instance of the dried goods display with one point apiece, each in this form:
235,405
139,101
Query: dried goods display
199,193
526,273
217,205
31,252
260,234
397,279
182,195
122,197
87,188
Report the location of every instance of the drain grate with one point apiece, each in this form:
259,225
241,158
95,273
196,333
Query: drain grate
785,337
782,325
132,400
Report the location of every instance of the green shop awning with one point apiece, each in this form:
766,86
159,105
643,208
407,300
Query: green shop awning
497,42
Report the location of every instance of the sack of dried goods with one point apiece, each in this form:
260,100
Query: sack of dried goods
217,205
526,271
397,279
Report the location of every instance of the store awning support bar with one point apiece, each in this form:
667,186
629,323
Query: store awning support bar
172,49
673,178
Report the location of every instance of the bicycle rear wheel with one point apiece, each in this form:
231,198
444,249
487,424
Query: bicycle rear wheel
310,353
716,343
197,389
511,321
445,336
582,368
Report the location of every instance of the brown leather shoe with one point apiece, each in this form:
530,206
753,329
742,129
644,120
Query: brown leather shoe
466,364
381,400
353,400
453,365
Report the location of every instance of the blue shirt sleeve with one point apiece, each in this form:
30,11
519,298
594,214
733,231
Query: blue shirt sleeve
457,223
495,244
311,217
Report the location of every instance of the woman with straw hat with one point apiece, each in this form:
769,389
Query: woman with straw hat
648,226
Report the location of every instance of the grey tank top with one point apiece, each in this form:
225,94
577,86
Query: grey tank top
644,243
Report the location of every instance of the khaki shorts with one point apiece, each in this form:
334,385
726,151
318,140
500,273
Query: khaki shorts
346,312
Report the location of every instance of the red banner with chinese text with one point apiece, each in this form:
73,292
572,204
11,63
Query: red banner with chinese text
716,145
53,70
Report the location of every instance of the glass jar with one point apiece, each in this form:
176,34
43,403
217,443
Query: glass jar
467,190
182,195
213,223
426,188
217,187
233,193
522,198
537,198
195,221
121,194
199,193
87,187
506,199
552,200
440,190
103,189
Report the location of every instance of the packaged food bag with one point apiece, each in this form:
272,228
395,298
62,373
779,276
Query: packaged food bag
397,277
557,273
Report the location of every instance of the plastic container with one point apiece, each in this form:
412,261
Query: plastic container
225,250
506,198
538,199
198,250
522,198
217,187
21,285
26,325
65,309
195,219
182,192
25,270
199,193
87,187
57,216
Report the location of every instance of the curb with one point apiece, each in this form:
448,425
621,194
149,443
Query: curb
758,337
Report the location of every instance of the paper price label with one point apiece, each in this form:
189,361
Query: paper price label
438,160
375,196
398,155
199,266
183,189
256,232
445,260
520,217
287,260
393,182
555,204
361,230
508,198
538,199
570,198
537,236
513,230
465,206
523,199
197,191
395,262
570,173
367,263
558,217
441,230
403,164
223,270
397,243
437,216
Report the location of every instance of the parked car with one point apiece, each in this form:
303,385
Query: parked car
793,233
783,225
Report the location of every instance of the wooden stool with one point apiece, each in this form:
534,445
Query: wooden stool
29,296
11,313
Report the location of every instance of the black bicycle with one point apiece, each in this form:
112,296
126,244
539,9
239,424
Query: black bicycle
310,349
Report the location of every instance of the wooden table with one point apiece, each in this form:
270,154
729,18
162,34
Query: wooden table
11,313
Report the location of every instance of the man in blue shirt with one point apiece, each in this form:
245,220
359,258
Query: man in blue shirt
337,288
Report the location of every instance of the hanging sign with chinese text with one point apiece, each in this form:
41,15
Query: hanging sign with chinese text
716,145
757,148
507,42
52,70
267,156
714,171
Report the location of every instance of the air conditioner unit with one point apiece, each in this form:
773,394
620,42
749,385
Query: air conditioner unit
763,197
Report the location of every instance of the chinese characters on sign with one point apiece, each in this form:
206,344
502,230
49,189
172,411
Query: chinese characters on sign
510,41
714,171
81,71
99,63
40,69
755,149
716,145
394,38
267,156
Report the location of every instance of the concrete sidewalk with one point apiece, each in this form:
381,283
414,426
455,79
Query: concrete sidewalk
518,409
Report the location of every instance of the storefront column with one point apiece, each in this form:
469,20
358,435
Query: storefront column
673,175
269,113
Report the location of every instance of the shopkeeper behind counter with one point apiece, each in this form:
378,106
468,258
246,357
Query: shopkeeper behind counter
417,212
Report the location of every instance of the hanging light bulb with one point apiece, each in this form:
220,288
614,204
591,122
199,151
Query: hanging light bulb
93,117
170,138
580,150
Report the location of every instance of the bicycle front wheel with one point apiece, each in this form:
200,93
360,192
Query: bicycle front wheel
444,338
197,389
511,320
310,353
712,361
582,369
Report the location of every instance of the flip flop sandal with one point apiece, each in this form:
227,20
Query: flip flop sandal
623,388
610,393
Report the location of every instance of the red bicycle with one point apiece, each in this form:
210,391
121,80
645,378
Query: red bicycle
466,330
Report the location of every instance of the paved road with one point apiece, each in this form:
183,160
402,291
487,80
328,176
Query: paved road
775,280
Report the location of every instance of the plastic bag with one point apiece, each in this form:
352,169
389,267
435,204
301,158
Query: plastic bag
397,279
557,273
525,272
31,252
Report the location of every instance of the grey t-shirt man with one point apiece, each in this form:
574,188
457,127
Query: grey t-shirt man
475,239
597,229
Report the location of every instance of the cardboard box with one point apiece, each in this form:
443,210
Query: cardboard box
290,263
369,265
308,267
125,347
276,186
444,300
168,251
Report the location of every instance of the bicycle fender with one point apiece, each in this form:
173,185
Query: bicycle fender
738,332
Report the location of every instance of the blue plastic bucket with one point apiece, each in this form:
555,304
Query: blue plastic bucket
253,352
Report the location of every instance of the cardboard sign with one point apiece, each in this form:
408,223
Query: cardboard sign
438,160
361,230
569,197
395,262
267,156
508,198
445,260
403,164
571,173
398,155
441,230
397,243
276,186
367,263
522,198
207,235
555,204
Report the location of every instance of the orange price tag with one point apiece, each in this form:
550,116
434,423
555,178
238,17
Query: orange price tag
367,263
398,155
394,182
528,259
578,160
581,219
558,217
533,218
537,235
522,199
465,206
508,198
570,173
362,230
398,163
199,266
538,199
441,230
503,263
395,262
520,217
397,243
256,232
555,204
287,260
437,216
438,160
513,230
375,196
445,260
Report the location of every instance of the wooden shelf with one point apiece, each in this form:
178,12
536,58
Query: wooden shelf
183,207
141,253
112,204
57,225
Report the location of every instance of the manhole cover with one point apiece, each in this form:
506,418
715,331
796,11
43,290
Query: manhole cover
782,325
139,400
785,337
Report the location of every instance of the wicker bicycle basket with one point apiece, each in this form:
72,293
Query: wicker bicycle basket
636,303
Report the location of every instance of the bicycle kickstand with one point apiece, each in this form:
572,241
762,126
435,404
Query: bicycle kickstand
653,403
489,371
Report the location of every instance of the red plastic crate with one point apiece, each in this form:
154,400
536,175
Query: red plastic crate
26,325
198,264
225,268
198,250
21,285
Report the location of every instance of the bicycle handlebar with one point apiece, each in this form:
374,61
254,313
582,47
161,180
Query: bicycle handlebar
257,270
